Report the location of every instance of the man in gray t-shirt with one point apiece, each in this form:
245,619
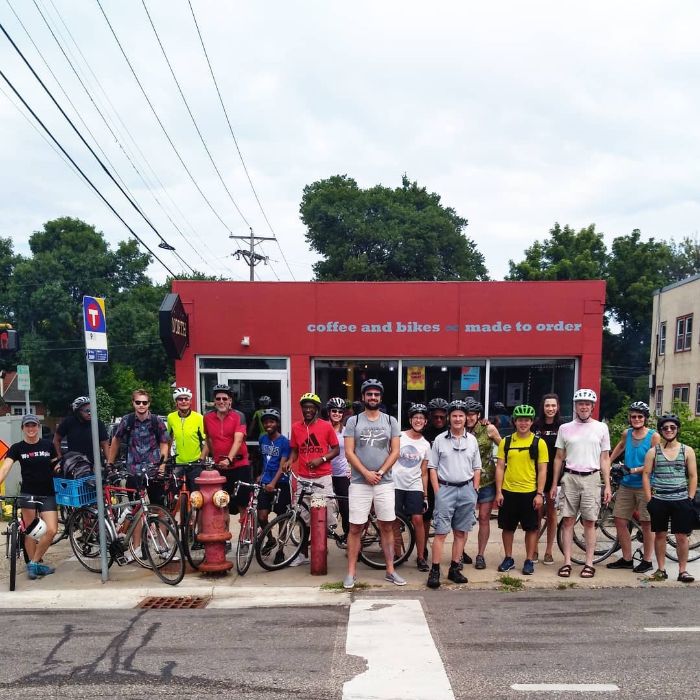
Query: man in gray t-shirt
371,447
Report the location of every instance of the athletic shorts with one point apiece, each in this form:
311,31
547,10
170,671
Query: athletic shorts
580,494
550,478
155,489
284,499
455,508
680,513
486,494
629,501
362,496
48,503
517,509
428,515
409,502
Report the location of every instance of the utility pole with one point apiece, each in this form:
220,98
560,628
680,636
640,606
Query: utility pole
250,256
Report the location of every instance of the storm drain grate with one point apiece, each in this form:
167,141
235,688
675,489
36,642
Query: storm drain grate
173,602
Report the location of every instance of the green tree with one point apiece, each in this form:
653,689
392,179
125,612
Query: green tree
386,234
686,258
565,255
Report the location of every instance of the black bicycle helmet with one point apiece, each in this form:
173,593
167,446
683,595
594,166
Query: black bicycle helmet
639,407
457,405
271,413
668,418
371,384
222,389
75,465
437,405
264,401
418,408
474,406
80,402
336,402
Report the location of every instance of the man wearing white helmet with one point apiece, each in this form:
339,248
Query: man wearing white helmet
186,428
77,430
585,445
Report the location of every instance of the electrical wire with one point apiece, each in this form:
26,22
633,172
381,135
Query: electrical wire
79,169
158,119
235,140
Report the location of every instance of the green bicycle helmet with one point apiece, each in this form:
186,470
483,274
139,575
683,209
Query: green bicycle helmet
523,411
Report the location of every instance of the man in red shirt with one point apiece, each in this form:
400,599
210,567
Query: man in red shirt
314,444
226,444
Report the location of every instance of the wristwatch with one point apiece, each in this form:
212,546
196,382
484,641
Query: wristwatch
324,458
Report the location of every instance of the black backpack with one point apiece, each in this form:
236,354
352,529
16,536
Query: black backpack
533,449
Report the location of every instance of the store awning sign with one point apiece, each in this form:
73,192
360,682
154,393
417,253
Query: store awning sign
174,326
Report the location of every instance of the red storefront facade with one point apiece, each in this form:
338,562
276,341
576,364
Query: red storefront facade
505,341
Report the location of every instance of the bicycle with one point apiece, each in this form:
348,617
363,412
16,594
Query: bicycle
15,534
179,505
250,527
289,531
127,509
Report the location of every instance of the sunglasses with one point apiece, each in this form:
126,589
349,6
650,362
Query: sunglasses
182,398
222,398
141,403
669,426
372,393
336,410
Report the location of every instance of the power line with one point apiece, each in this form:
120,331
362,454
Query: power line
235,140
79,169
160,123
144,159
164,244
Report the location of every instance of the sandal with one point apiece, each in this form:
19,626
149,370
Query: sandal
564,571
685,577
587,572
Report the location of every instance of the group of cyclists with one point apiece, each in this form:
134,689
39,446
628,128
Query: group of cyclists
448,470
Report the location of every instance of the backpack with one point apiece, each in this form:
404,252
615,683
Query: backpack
129,423
533,449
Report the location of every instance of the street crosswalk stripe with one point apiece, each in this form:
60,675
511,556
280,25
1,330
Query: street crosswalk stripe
672,629
393,636
566,687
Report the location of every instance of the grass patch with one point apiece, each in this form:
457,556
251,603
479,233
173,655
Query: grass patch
510,583
565,585
338,586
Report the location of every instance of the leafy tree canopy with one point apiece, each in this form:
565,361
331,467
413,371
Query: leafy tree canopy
386,234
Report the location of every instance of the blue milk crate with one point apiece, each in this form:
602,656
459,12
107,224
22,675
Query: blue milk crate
75,492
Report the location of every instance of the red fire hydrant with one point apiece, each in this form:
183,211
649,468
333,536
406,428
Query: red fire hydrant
319,536
213,522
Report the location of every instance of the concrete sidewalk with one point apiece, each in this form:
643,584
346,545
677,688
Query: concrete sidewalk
72,586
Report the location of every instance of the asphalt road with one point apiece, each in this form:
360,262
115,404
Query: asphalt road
487,640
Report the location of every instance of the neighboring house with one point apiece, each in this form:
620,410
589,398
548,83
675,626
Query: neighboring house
675,346
12,402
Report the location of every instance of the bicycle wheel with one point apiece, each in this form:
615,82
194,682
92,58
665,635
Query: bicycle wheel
84,537
246,542
604,546
693,546
372,553
161,515
64,513
281,541
13,553
164,551
194,550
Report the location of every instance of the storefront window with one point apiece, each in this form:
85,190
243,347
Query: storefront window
513,382
423,380
344,378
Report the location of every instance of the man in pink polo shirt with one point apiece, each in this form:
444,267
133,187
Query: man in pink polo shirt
585,445
314,444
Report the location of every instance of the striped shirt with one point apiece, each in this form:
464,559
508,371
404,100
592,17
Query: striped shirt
670,479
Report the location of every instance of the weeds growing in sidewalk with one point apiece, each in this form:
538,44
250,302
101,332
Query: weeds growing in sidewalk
338,586
510,583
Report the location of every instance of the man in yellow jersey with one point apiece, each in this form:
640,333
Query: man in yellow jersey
521,471
186,428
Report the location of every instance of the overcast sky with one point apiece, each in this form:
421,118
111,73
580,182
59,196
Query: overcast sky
518,114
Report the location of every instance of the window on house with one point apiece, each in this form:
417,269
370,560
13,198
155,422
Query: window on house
684,333
659,405
681,392
662,338
697,400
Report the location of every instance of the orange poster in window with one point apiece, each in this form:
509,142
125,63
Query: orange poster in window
3,449
415,378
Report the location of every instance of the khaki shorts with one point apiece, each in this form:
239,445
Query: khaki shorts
331,504
629,500
580,494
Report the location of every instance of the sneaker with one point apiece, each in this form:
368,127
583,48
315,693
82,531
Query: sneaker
349,582
480,562
299,560
32,571
507,564
548,559
536,558
659,575
529,567
395,579
44,569
622,564
434,578
466,559
643,567
422,565
456,576
343,542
